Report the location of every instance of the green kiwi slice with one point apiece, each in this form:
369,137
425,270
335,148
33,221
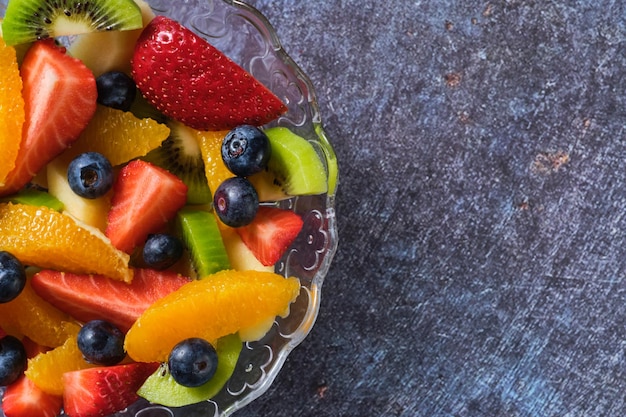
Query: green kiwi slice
295,168
201,236
34,197
160,387
181,155
31,20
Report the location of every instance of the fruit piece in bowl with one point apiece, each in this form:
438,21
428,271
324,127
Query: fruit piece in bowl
219,95
57,108
268,302
28,21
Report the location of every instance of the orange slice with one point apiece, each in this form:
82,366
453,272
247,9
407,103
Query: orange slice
11,109
46,369
119,135
210,146
210,143
40,236
216,171
29,315
224,303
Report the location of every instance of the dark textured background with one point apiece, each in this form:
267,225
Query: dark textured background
481,268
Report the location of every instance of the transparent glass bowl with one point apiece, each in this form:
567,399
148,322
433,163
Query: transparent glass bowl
246,36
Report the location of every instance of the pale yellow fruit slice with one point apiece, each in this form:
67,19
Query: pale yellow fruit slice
119,46
240,256
91,211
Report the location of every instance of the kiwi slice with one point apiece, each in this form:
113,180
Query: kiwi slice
119,46
201,236
160,387
295,168
180,154
30,20
34,197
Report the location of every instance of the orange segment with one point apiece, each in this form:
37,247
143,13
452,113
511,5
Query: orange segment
210,146
29,315
119,135
11,109
43,237
46,369
221,304
210,143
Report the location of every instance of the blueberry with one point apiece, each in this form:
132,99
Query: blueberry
101,343
236,202
90,175
246,150
12,277
116,89
162,251
192,362
12,360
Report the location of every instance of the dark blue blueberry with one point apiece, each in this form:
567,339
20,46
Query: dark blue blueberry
236,202
162,251
12,277
246,150
101,343
116,89
192,362
90,175
12,360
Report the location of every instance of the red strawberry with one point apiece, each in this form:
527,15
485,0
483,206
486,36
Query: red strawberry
60,98
101,391
191,81
270,233
145,197
89,297
24,398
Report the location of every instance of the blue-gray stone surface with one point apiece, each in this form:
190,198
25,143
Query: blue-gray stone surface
482,261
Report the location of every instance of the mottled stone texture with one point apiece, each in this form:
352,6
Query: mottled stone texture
482,261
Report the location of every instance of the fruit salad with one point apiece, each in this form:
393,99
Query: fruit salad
141,209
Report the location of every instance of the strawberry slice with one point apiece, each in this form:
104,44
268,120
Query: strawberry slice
270,234
191,81
90,297
145,197
24,398
60,98
101,391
